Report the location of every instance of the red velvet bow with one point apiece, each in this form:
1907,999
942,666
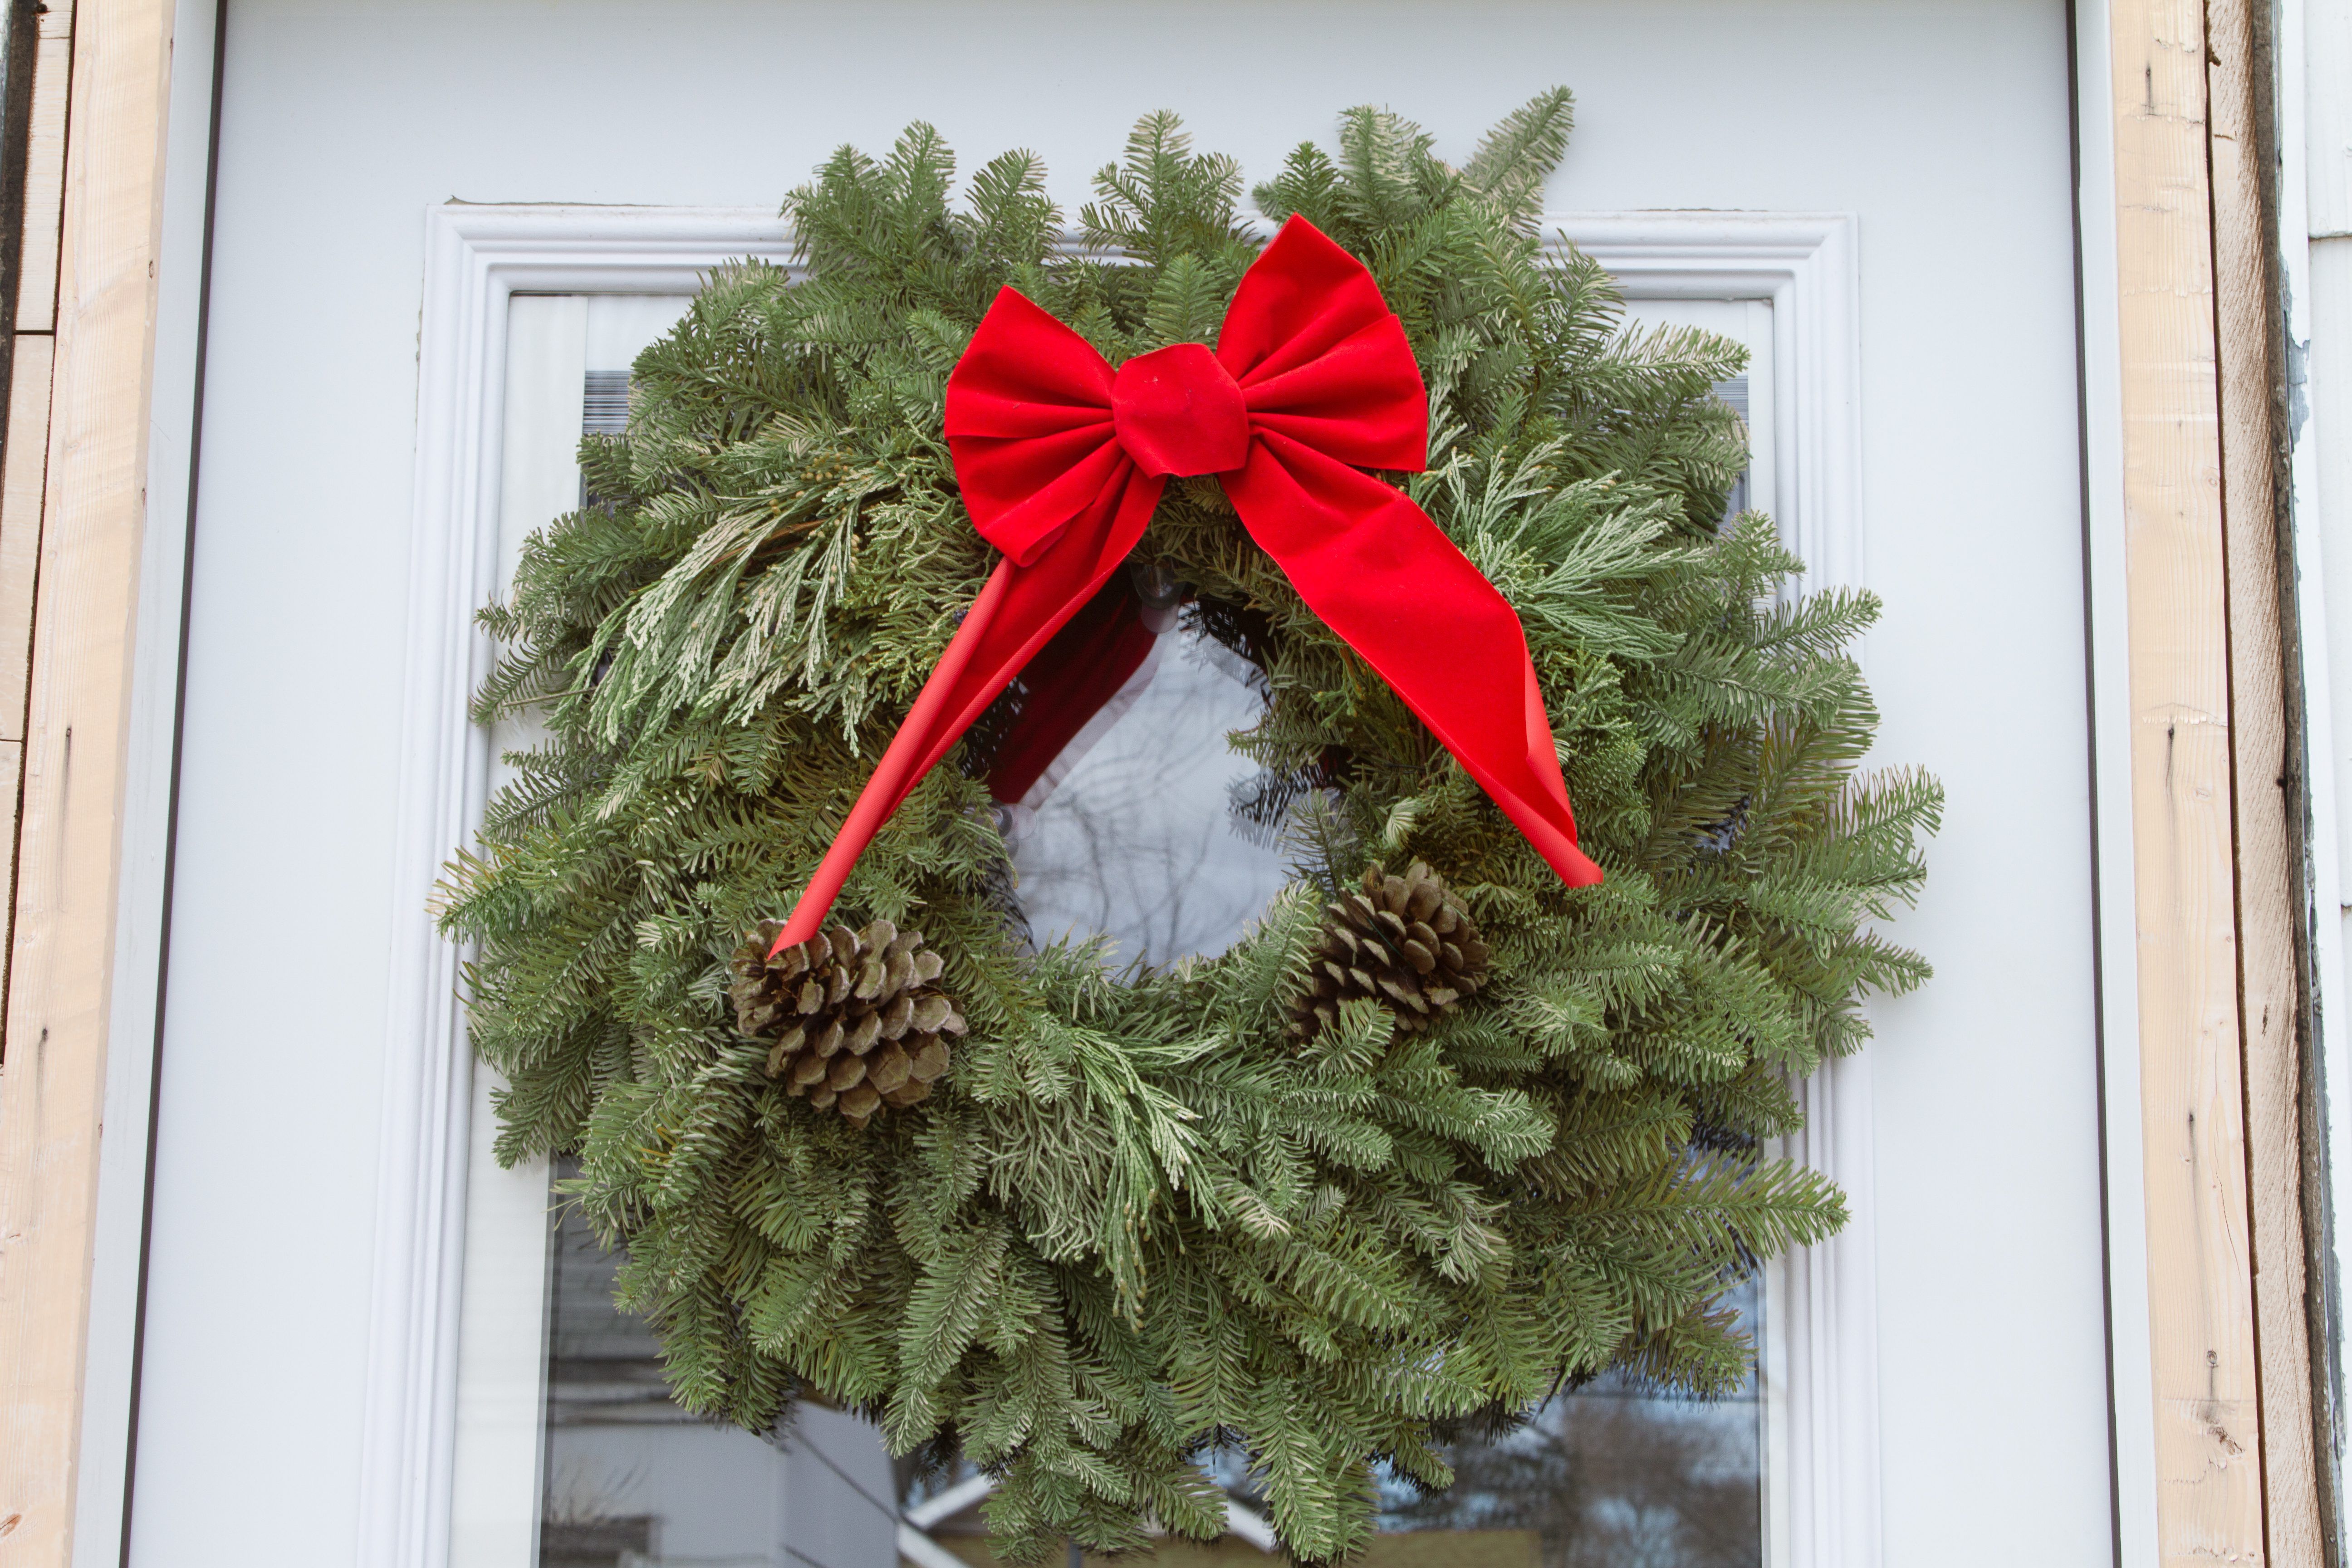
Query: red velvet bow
1060,460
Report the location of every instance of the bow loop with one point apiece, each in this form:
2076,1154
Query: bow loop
1320,357
1029,426
1061,461
1067,477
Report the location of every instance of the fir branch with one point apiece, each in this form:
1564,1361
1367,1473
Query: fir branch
1136,1220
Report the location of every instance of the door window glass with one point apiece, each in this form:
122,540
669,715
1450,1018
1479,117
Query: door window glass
1149,829
634,1481
1137,822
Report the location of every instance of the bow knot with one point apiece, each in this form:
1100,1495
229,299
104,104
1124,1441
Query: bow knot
1061,461
1179,414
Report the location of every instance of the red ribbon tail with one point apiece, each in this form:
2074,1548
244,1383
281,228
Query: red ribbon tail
909,757
1546,818
1016,614
1382,575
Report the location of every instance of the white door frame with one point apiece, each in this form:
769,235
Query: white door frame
477,259
2131,1393
1823,1396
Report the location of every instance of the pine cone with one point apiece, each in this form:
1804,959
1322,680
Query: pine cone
857,1023
1406,941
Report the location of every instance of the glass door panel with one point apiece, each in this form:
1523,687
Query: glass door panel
1149,830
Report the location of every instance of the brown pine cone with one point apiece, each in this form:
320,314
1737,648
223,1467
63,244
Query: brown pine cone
1406,941
856,1022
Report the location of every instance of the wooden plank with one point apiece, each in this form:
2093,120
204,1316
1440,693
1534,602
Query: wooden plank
2268,749
12,781
45,168
51,1090
22,479
2201,1303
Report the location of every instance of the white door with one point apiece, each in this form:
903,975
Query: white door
346,1346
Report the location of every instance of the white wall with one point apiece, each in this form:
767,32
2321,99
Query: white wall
1944,127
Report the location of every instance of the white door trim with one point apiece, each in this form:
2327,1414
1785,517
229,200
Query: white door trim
2131,1392
476,257
118,1237
1808,266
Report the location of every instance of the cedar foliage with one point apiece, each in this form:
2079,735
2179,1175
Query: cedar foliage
1138,1220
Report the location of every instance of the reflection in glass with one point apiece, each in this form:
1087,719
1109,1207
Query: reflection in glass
634,1481
1136,830
1614,1475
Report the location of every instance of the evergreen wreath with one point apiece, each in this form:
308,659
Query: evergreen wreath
1139,1217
